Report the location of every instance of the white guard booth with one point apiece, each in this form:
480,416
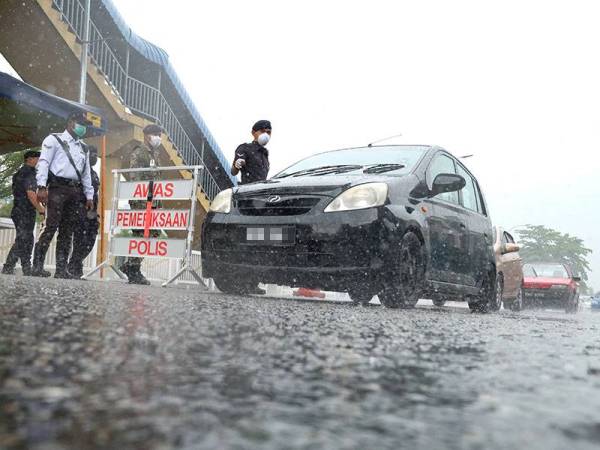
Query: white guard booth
154,219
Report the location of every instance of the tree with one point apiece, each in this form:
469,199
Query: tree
541,244
9,164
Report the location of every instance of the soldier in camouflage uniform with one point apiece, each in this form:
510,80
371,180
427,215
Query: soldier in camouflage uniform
143,155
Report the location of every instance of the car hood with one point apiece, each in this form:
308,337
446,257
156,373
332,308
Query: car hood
540,283
326,185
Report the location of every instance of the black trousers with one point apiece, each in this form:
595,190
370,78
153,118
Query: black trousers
21,249
84,238
64,212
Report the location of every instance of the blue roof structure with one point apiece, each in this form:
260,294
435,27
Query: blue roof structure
28,115
158,56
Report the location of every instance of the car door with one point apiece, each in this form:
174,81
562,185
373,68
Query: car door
513,272
481,234
447,228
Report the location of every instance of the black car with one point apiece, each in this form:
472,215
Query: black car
401,222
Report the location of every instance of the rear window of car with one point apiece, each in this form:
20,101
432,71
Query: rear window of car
406,155
545,271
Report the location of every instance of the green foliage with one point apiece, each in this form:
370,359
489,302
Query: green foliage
541,244
5,208
9,164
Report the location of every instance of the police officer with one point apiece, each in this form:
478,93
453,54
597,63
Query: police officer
143,155
64,185
252,159
84,236
23,214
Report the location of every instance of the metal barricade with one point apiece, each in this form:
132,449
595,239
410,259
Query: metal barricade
163,219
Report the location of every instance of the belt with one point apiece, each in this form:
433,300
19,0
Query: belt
60,181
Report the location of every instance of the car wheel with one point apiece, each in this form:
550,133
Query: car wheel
486,298
517,303
233,285
439,303
496,302
360,297
573,304
406,285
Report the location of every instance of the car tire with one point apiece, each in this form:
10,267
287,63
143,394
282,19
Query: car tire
406,284
439,303
496,302
517,304
233,285
360,297
482,303
572,305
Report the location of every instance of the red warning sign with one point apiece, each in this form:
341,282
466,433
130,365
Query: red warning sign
166,219
148,248
162,190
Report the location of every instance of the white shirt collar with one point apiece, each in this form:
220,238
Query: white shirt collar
66,136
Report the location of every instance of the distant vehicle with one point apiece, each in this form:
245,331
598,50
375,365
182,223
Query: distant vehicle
509,267
551,284
595,303
400,222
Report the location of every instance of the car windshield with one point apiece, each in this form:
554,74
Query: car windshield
545,271
379,159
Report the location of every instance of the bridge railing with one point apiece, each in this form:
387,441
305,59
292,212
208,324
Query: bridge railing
136,95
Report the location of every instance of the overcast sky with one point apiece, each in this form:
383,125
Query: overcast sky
515,83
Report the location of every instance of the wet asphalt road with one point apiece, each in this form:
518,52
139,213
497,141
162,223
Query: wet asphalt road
86,365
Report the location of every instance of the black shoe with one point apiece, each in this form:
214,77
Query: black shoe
7,270
138,279
256,291
26,271
125,269
39,273
63,275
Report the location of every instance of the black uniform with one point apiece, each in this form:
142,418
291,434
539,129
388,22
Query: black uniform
23,216
257,162
84,236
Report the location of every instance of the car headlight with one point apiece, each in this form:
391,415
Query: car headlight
222,202
362,196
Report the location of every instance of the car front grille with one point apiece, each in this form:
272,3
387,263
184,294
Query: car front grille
276,206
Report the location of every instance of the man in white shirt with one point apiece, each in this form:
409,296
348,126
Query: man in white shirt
64,186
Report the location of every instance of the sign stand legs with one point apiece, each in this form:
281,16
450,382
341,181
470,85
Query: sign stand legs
184,269
106,263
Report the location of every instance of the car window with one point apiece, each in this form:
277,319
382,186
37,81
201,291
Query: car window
504,240
404,156
509,239
468,193
442,164
546,271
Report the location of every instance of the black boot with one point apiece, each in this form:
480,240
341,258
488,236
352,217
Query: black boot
8,270
39,272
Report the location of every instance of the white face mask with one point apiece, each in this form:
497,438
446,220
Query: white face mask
155,141
263,139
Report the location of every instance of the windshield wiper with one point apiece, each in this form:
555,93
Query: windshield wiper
323,170
380,168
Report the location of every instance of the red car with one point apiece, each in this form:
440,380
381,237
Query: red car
550,284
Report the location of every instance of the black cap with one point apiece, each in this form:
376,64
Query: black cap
261,124
31,154
153,129
80,117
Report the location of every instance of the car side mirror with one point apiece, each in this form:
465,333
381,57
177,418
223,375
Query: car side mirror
447,182
510,248
577,279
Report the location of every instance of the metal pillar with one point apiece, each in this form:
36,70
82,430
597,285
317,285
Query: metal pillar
84,52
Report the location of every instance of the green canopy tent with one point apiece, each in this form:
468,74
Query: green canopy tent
28,115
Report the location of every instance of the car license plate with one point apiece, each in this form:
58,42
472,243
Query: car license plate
270,235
